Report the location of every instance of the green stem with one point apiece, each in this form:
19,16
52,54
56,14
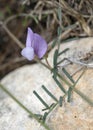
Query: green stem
89,101
22,106
47,62
39,61
84,97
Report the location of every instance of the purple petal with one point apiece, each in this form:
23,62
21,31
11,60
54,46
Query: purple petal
30,36
40,45
28,53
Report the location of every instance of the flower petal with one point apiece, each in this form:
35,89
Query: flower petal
30,36
28,53
40,45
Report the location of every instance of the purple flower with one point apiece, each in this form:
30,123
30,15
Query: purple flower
35,45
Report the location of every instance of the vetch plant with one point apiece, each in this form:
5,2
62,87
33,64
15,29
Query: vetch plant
35,46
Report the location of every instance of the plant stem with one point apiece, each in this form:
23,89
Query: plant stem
47,62
39,61
84,97
89,101
22,106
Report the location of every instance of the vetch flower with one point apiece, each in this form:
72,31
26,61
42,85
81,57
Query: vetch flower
35,45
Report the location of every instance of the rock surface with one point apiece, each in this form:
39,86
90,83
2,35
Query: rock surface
77,115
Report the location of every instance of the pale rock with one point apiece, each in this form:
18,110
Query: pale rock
77,115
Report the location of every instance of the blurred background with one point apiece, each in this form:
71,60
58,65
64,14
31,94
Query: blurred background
42,17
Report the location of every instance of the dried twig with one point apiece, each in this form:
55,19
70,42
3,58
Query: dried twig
11,35
71,61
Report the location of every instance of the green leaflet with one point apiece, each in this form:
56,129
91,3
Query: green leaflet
68,75
49,93
60,101
42,101
59,12
59,84
54,43
63,51
69,94
55,57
